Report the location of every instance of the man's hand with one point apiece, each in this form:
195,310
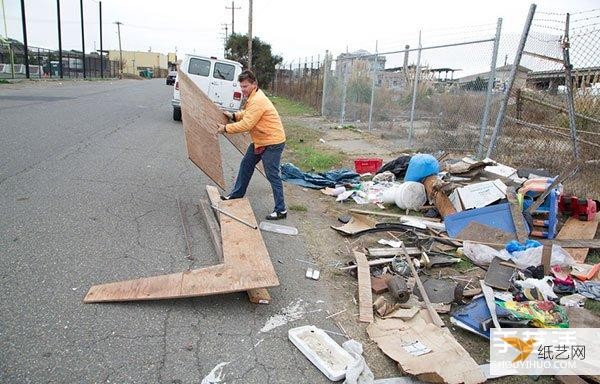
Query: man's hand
221,128
229,115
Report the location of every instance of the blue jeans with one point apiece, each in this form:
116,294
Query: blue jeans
271,158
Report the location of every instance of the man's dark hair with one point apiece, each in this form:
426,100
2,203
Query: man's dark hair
247,75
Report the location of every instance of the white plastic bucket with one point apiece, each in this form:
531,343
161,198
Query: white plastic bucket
410,195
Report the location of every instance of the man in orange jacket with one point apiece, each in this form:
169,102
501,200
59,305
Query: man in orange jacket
260,118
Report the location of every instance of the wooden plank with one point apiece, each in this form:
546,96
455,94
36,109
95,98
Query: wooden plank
258,295
576,229
432,312
394,215
575,243
213,227
365,298
200,118
435,194
247,265
380,252
517,215
546,257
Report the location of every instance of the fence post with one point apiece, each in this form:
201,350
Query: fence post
326,68
569,84
490,89
373,86
343,108
511,81
414,96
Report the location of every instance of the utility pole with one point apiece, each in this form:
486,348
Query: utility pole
101,50
25,47
60,57
120,51
82,37
233,8
250,36
10,52
226,27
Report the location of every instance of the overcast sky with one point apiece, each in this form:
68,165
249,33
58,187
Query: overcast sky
295,29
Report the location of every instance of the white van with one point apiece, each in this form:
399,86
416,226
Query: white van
215,77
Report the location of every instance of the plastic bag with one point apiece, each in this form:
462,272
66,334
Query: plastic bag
481,254
543,314
358,371
420,166
533,256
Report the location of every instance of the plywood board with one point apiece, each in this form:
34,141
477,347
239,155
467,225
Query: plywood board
256,296
576,229
245,267
447,362
365,298
200,118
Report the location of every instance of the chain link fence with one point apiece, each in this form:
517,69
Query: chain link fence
445,91
44,63
538,131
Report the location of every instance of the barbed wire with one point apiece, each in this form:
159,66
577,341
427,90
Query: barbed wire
585,26
587,18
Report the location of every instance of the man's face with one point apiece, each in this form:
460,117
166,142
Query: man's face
247,87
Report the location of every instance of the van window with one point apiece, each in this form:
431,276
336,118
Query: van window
199,67
224,71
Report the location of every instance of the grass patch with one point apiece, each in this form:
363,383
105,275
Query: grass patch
593,257
3,81
287,107
463,265
593,306
298,208
313,159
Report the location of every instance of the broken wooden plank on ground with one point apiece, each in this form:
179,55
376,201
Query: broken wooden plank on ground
257,295
365,298
244,267
380,252
435,194
395,215
425,351
576,229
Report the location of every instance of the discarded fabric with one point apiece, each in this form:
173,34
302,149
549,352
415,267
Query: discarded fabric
542,314
397,167
293,175
589,289
358,371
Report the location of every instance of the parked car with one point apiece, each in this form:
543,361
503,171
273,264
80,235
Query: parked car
171,77
217,78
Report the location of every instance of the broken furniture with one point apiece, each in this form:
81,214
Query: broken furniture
545,216
246,266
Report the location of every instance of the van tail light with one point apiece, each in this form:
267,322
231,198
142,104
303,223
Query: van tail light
237,95
177,85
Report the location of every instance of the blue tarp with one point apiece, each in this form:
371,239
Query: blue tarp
293,175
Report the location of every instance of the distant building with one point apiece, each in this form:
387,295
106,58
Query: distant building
345,61
501,80
135,61
550,80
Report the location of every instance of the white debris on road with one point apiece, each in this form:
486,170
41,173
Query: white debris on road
294,311
215,375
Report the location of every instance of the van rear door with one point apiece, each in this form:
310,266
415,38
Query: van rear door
224,88
199,71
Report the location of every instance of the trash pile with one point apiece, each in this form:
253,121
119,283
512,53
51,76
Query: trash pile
519,266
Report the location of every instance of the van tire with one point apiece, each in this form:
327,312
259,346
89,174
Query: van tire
177,114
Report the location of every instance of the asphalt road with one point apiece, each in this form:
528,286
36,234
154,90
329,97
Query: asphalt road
91,174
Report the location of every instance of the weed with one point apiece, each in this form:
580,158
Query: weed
3,81
287,107
298,208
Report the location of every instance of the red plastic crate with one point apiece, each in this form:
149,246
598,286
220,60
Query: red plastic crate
363,165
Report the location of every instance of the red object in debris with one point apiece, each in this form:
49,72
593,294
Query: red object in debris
363,165
582,209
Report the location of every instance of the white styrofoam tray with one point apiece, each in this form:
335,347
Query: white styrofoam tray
321,350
